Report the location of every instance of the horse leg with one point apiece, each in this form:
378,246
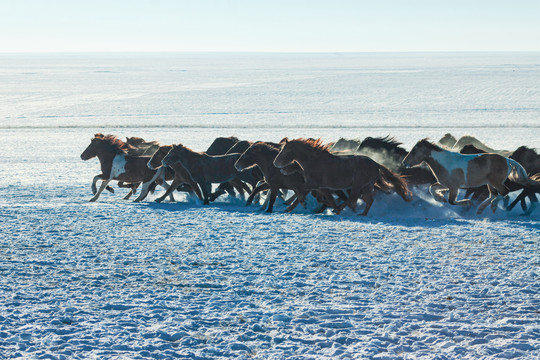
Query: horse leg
501,192
196,189
256,190
452,195
272,196
518,199
206,189
132,190
534,201
158,178
176,182
367,196
144,190
298,198
435,189
101,188
485,203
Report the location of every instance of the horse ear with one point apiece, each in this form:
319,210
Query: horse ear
284,141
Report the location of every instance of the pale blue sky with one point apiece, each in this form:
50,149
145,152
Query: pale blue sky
273,25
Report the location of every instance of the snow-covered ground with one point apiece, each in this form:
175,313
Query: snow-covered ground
115,279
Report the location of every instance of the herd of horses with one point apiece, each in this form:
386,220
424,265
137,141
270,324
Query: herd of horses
336,174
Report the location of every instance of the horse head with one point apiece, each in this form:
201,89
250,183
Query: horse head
419,153
448,140
173,156
249,157
285,155
155,161
92,149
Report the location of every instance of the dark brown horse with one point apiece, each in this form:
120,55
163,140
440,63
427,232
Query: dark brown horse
221,145
116,164
251,176
262,155
181,175
356,173
203,168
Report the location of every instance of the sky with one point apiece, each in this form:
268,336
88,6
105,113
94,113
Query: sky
269,26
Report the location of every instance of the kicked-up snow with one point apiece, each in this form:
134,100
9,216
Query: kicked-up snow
117,279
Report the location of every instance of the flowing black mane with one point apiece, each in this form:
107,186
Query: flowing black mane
387,143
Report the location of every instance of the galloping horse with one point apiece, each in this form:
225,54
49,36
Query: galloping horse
203,168
323,170
116,164
262,154
454,171
181,175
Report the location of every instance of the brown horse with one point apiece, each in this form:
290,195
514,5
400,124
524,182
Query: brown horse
181,175
454,171
134,146
262,154
116,164
204,169
324,170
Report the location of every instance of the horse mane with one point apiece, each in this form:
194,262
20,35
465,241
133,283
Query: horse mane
137,141
267,144
114,143
430,145
183,147
316,144
388,143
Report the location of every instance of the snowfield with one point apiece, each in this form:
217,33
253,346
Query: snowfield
116,279
123,280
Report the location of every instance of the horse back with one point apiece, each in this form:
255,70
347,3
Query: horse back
131,168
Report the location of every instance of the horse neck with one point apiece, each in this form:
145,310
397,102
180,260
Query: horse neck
265,160
190,158
437,166
308,156
105,159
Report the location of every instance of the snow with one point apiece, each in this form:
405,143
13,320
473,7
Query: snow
117,279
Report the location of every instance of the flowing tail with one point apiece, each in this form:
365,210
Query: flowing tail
388,179
519,174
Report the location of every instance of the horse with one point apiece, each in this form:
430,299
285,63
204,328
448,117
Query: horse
204,169
116,164
251,176
527,191
530,160
262,154
471,140
135,146
448,140
142,147
454,171
220,145
181,175
323,170
389,152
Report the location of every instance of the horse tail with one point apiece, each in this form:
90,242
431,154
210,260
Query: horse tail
519,174
397,182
